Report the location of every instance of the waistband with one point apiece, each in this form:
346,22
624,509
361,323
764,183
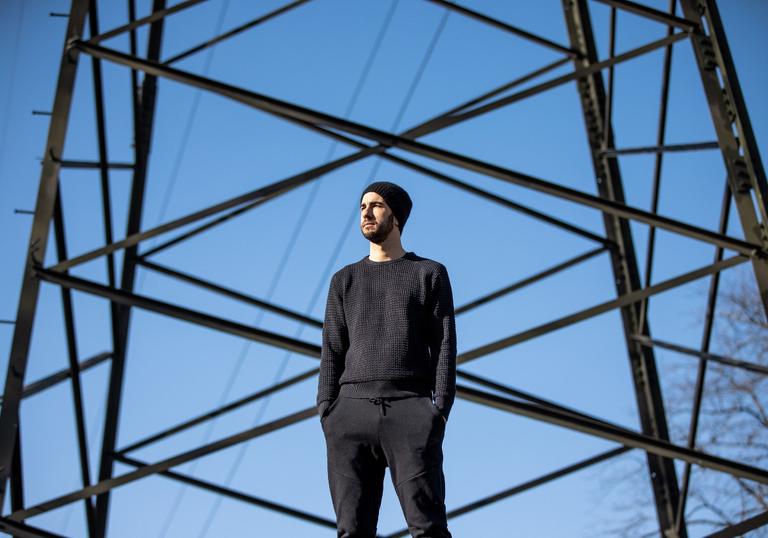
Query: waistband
386,387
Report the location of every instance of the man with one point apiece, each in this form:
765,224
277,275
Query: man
387,375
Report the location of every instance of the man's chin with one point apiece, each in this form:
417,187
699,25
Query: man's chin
374,238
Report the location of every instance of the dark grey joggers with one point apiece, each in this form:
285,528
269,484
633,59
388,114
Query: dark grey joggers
364,436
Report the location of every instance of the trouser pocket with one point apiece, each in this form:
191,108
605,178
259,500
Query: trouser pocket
330,408
433,407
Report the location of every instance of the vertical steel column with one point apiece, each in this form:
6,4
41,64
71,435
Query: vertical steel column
746,174
38,241
661,132
17,478
103,165
74,365
144,113
627,279
706,338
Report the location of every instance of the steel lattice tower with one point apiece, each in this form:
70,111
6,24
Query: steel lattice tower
698,23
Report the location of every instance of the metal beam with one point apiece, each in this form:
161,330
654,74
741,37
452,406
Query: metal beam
143,121
661,131
530,484
199,282
557,81
17,475
72,356
741,156
231,33
525,486
740,529
164,465
505,27
232,213
660,149
91,165
364,152
281,108
200,318
156,16
429,172
21,530
650,402
428,126
259,195
706,338
424,128
596,310
487,195
653,14
62,375
623,436
237,495
219,411
458,160
124,298
541,275
626,437
38,241
721,359
517,393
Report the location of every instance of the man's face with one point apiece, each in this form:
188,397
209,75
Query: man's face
376,218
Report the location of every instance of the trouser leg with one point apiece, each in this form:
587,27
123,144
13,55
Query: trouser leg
355,466
412,439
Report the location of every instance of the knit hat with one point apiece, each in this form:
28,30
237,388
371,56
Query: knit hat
395,197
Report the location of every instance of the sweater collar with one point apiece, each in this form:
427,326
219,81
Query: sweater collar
369,261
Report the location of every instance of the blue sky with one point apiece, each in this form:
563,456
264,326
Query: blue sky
207,149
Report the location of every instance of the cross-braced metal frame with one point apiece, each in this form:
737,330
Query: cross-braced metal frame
699,23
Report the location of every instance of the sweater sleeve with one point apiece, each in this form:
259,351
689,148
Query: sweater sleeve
443,341
334,347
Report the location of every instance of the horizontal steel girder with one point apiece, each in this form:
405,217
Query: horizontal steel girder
20,530
654,14
62,375
164,465
186,314
38,241
601,308
525,486
623,436
740,529
284,109
234,494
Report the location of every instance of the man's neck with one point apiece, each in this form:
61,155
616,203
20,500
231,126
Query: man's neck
384,252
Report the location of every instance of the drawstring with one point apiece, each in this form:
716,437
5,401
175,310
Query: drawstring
380,401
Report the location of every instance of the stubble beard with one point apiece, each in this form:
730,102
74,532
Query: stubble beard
380,232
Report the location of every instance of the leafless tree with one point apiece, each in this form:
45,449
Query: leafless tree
733,423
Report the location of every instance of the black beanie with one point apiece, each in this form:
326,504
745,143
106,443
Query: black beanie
395,196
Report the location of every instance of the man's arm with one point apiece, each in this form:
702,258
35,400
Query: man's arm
443,341
335,345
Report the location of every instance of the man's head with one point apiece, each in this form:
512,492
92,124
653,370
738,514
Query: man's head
385,205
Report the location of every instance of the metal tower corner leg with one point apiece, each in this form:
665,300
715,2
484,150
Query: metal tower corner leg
144,113
624,262
746,175
38,240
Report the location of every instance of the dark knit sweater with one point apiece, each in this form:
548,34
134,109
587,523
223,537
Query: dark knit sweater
389,330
